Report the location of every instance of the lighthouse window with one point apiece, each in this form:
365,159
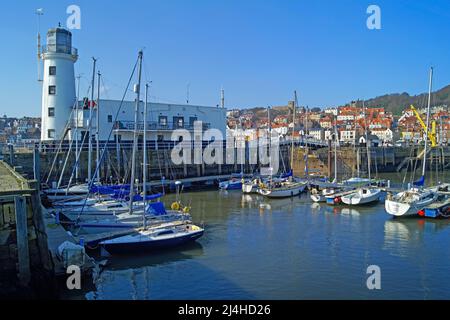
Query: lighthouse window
52,70
51,112
51,89
51,133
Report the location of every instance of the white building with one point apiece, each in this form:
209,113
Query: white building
333,111
345,117
162,120
348,136
385,135
59,100
58,86
317,134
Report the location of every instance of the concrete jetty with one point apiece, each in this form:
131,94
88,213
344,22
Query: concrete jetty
29,239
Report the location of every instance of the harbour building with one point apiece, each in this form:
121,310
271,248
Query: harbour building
63,117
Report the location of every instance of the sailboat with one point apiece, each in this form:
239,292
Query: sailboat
252,186
411,201
153,239
237,180
288,188
150,237
366,194
332,189
235,183
113,212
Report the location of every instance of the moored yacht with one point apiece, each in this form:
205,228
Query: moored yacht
362,196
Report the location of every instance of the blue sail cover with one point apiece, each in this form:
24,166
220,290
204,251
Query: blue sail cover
287,174
420,182
156,208
151,197
109,190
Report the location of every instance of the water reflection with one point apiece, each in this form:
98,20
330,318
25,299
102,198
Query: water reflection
157,258
401,236
291,248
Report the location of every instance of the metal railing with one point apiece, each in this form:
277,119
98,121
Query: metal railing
155,125
56,48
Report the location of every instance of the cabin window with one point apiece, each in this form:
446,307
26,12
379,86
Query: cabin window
52,90
51,112
52,70
51,133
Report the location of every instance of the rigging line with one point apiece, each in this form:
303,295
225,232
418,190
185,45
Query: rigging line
77,157
109,137
63,135
105,89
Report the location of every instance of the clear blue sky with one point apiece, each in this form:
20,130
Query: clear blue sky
259,51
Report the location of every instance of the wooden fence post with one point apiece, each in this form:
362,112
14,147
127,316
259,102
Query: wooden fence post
22,240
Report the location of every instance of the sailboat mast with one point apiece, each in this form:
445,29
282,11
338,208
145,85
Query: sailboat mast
306,144
137,90
336,138
90,106
293,130
430,87
97,135
269,126
77,165
367,143
144,178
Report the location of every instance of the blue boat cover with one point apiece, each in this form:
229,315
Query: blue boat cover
420,182
156,208
138,197
287,174
109,190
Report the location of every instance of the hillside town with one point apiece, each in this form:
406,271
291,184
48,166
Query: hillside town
17,131
384,128
350,121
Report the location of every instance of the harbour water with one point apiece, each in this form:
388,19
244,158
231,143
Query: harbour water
256,248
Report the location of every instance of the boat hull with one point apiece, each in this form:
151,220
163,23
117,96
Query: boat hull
283,192
359,198
150,245
230,185
249,188
399,209
318,198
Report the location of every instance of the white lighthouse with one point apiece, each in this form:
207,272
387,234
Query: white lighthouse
58,86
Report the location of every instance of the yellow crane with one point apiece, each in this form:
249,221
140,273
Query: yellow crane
432,132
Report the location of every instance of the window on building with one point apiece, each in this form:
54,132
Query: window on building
163,121
51,133
110,119
52,70
178,122
51,112
52,90
160,138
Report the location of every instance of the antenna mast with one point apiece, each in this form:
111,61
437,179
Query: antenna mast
39,13
222,98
